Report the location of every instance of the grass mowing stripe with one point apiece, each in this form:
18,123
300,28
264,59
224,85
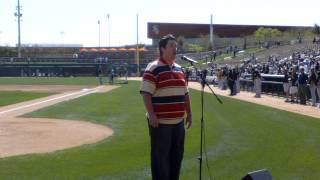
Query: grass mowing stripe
240,137
12,97
50,80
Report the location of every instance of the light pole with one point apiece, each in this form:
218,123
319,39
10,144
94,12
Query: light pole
108,17
0,37
62,40
18,14
137,48
211,34
99,31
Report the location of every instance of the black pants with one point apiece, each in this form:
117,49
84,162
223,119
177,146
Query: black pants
302,93
231,84
167,147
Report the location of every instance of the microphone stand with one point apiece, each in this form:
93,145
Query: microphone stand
203,83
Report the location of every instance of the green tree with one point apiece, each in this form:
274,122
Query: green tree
297,34
267,34
194,47
260,34
275,33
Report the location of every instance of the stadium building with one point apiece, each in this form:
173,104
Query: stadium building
223,33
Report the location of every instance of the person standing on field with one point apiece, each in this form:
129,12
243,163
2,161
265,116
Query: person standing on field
166,99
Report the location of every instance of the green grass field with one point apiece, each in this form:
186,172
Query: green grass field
240,137
12,97
50,80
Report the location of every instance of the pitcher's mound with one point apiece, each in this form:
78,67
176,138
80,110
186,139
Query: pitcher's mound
39,135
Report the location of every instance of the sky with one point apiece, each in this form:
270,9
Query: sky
76,21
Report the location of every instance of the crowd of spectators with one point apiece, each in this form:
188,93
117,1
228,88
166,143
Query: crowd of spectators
300,75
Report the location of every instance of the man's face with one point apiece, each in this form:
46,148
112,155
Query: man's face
170,51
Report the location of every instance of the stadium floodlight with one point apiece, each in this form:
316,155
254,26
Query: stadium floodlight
19,15
0,37
108,18
62,37
99,31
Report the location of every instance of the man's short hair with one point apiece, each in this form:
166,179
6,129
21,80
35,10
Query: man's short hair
164,41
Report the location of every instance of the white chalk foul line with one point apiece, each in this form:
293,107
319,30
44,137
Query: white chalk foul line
48,100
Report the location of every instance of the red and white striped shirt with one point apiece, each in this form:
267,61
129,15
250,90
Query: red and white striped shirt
167,85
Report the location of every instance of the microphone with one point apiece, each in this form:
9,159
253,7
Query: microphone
185,58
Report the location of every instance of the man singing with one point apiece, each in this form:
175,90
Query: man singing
165,96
